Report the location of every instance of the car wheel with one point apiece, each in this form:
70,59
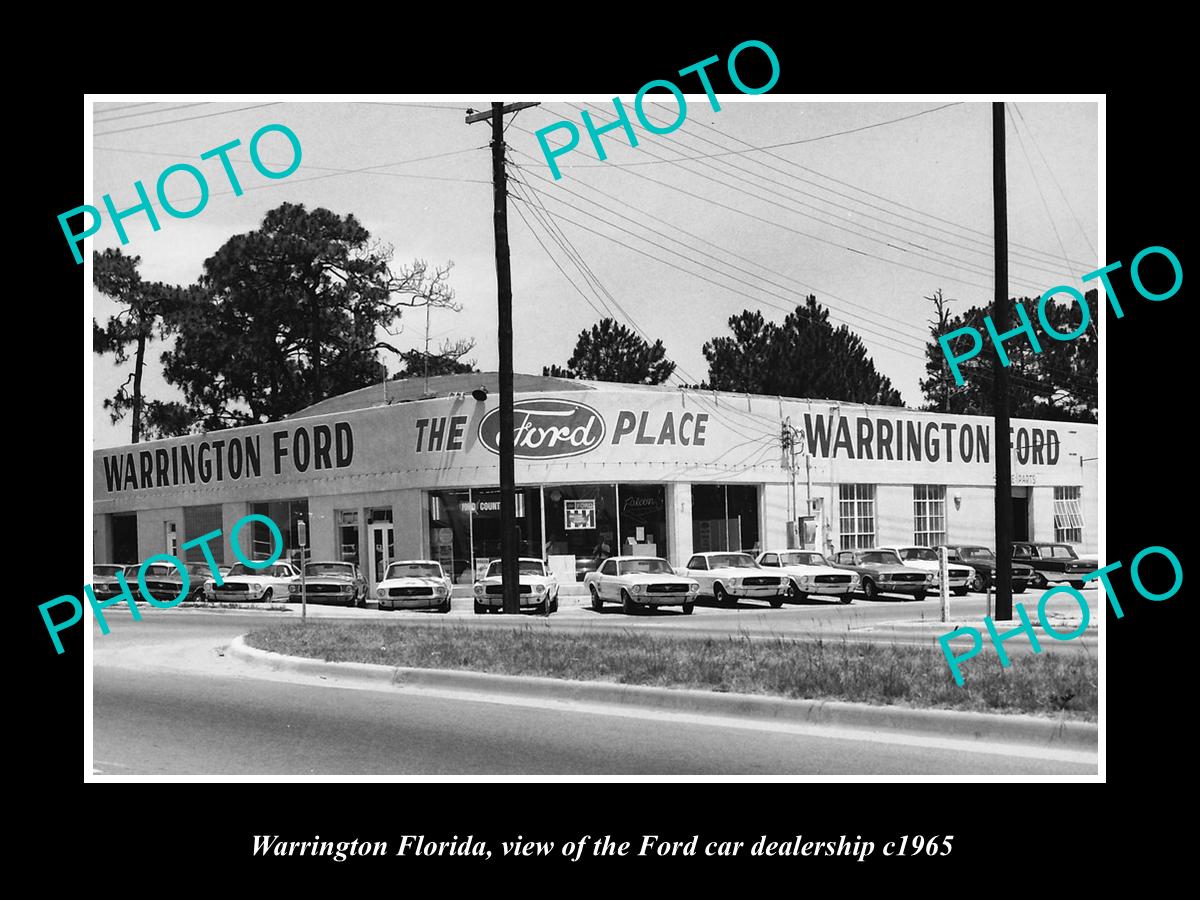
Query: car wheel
961,592
979,583
1078,585
597,603
1039,580
870,591
480,609
687,608
1018,590
919,596
542,608
554,603
794,594
721,597
445,607
845,598
267,594
776,602
627,605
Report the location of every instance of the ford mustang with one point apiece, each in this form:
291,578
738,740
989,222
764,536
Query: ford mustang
331,582
414,584
729,577
882,572
245,583
537,588
640,582
927,558
983,562
809,574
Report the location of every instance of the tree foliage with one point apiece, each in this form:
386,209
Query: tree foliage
1060,383
143,317
287,315
804,356
612,352
448,360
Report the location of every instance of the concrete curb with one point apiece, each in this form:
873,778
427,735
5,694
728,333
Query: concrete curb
991,727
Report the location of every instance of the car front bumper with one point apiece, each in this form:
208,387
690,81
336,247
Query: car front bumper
429,602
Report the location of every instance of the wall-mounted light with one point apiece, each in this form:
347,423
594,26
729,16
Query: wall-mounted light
957,500
480,394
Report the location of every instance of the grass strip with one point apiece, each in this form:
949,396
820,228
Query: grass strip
1059,684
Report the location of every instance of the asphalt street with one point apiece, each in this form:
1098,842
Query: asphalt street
166,701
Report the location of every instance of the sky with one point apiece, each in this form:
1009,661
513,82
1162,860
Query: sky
871,206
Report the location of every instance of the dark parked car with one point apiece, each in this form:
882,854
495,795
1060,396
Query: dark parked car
882,572
1054,562
983,561
331,582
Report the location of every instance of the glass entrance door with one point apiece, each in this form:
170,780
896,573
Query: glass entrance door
383,550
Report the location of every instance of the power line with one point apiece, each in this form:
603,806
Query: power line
187,119
892,321
984,235
853,212
150,112
119,108
1037,184
1061,192
795,143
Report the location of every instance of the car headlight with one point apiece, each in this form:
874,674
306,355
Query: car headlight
637,588
439,591
806,581
293,588
256,588
380,592
733,582
694,588
479,590
540,588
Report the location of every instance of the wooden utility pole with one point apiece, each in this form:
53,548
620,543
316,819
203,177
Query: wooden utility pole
1001,316
509,569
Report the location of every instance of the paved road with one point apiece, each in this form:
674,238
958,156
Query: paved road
167,702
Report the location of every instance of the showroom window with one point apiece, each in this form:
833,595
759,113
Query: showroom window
286,514
1068,514
724,517
929,514
201,520
856,515
464,529
347,535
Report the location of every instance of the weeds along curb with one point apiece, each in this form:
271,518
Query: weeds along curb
992,727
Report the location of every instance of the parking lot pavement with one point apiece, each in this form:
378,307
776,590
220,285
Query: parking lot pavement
893,620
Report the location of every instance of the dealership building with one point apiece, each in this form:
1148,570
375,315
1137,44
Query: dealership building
409,469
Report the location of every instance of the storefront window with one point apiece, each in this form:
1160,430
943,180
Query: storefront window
581,521
464,529
347,535
643,524
724,517
286,514
929,515
1068,514
200,520
856,516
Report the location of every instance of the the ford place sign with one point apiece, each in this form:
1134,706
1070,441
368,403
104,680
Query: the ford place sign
546,429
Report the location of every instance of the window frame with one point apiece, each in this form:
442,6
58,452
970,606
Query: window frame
856,506
929,510
1068,514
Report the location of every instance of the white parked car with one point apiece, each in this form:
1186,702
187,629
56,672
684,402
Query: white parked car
809,574
538,588
729,577
255,585
640,582
927,558
414,584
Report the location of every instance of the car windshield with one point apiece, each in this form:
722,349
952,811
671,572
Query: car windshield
980,553
1021,552
414,570
243,569
318,570
645,567
162,571
1063,551
732,561
524,567
107,570
881,557
919,553
802,559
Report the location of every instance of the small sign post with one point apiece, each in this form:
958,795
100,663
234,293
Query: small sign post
944,582
302,535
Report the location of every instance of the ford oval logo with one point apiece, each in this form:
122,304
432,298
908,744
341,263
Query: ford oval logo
546,429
